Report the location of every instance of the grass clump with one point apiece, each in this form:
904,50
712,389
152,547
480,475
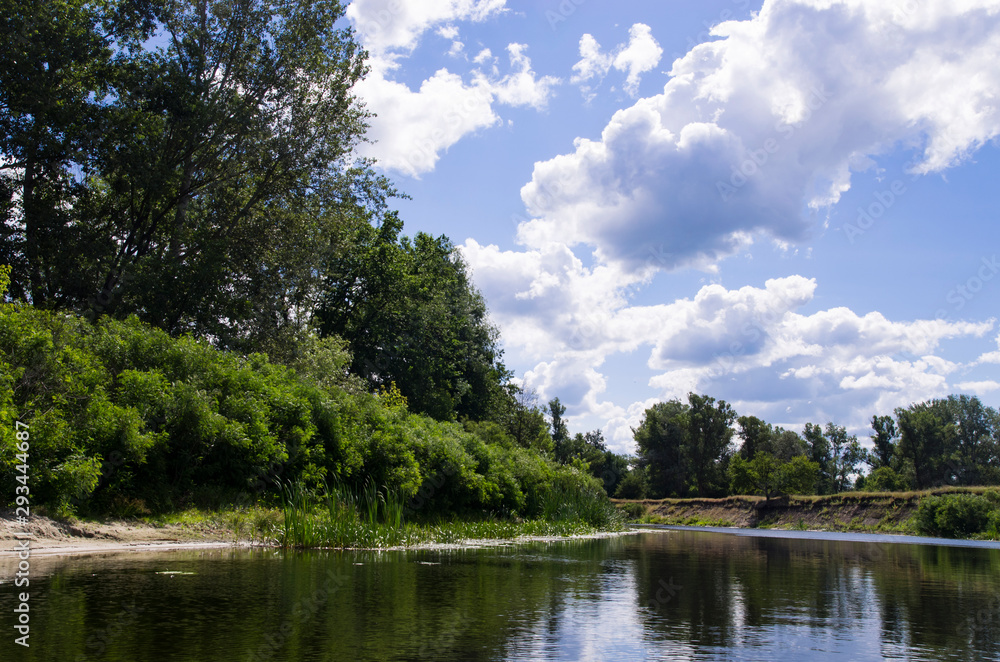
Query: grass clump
373,517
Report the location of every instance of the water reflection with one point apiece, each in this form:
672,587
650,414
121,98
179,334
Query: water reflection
675,595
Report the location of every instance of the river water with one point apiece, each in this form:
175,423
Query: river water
655,595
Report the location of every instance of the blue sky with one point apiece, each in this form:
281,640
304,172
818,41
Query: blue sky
789,205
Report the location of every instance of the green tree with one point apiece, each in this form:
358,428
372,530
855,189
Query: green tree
787,444
196,184
884,442
756,436
661,447
845,456
819,451
709,442
926,438
770,477
56,65
685,448
975,460
525,421
561,442
411,315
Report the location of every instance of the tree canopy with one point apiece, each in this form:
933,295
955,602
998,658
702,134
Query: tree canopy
185,162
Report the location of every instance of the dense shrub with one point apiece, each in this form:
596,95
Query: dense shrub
633,486
125,419
954,515
884,479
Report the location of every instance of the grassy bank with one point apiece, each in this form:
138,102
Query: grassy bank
968,512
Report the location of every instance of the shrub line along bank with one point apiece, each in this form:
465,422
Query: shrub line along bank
967,512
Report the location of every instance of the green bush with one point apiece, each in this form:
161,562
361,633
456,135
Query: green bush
633,486
884,479
954,515
125,419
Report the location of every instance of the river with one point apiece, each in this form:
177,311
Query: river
655,595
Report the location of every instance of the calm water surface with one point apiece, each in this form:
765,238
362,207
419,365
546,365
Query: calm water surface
663,595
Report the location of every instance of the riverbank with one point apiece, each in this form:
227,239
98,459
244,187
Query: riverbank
862,512
50,536
196,530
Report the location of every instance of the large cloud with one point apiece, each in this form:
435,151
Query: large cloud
413,127
768,121
751,346
388,26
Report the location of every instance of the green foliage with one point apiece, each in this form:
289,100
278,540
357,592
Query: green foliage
4,279
884,479
884,440
196,184
126,419
524,419
845,457
560,433
948,442
633,511
685,448
633,486
819,451
955,515
410,314
770,477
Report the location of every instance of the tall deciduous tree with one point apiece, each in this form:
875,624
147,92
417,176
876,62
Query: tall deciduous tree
412,316
819,452
845,456
560,433
661,447
710,437
884,442
200,179
686,448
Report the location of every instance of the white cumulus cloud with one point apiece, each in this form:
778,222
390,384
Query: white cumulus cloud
769,120
413,127
752,346
386,26
641,54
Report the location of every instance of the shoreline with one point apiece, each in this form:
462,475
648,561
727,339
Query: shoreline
831,536
861,512
52,538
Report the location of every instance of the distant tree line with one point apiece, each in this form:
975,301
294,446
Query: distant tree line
690,449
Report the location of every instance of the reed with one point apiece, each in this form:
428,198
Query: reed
341,517
372,518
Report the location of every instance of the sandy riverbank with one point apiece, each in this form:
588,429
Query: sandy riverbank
52,537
